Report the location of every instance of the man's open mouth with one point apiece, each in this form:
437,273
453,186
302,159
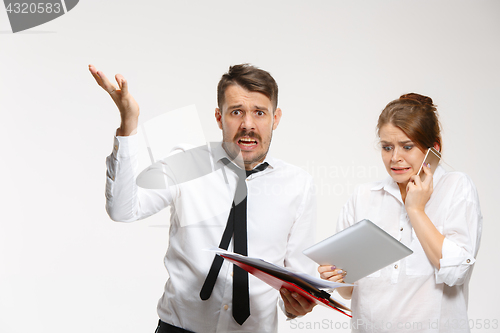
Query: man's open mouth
247,142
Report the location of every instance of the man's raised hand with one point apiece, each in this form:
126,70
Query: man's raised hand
128,107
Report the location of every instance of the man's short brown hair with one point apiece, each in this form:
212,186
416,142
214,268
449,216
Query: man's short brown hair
252,79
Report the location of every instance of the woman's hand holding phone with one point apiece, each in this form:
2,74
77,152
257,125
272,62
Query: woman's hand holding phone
418,192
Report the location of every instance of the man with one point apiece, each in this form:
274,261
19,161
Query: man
269,214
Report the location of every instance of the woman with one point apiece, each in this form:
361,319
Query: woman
438,218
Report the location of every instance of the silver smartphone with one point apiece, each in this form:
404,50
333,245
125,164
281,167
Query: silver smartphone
432,157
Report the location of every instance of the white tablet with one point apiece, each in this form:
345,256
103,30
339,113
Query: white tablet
360,250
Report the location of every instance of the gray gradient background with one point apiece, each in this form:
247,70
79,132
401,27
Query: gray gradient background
64,264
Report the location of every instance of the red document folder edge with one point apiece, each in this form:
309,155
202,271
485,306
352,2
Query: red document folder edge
278,283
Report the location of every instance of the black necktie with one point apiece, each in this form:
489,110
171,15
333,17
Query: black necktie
237,224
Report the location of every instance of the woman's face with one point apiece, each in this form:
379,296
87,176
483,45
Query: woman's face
402,158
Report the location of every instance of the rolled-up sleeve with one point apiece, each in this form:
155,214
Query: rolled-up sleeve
462,232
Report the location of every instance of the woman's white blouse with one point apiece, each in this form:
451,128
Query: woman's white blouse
411,295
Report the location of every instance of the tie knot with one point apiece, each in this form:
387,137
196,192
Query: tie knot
261,167
239,171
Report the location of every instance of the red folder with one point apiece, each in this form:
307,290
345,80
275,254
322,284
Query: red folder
279,277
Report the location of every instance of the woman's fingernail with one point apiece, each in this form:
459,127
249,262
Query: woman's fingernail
333,267
340,271
295,295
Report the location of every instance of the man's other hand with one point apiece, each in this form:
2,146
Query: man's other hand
295,304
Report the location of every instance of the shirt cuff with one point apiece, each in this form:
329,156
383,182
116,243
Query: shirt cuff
454,264
125,146
453,255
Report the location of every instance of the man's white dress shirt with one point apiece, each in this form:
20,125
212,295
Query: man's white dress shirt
411,295
280,219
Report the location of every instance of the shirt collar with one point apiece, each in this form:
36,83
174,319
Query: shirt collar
390,186
438,174
217,151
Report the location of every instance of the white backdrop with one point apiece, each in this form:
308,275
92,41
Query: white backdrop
65,267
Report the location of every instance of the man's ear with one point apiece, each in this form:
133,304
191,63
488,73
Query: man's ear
218,117
277,116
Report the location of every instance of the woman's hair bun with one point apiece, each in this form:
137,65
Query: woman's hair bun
416,116
417,97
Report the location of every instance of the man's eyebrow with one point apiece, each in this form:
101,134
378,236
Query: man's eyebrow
256,107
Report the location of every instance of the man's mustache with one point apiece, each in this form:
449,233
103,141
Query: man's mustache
249,134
